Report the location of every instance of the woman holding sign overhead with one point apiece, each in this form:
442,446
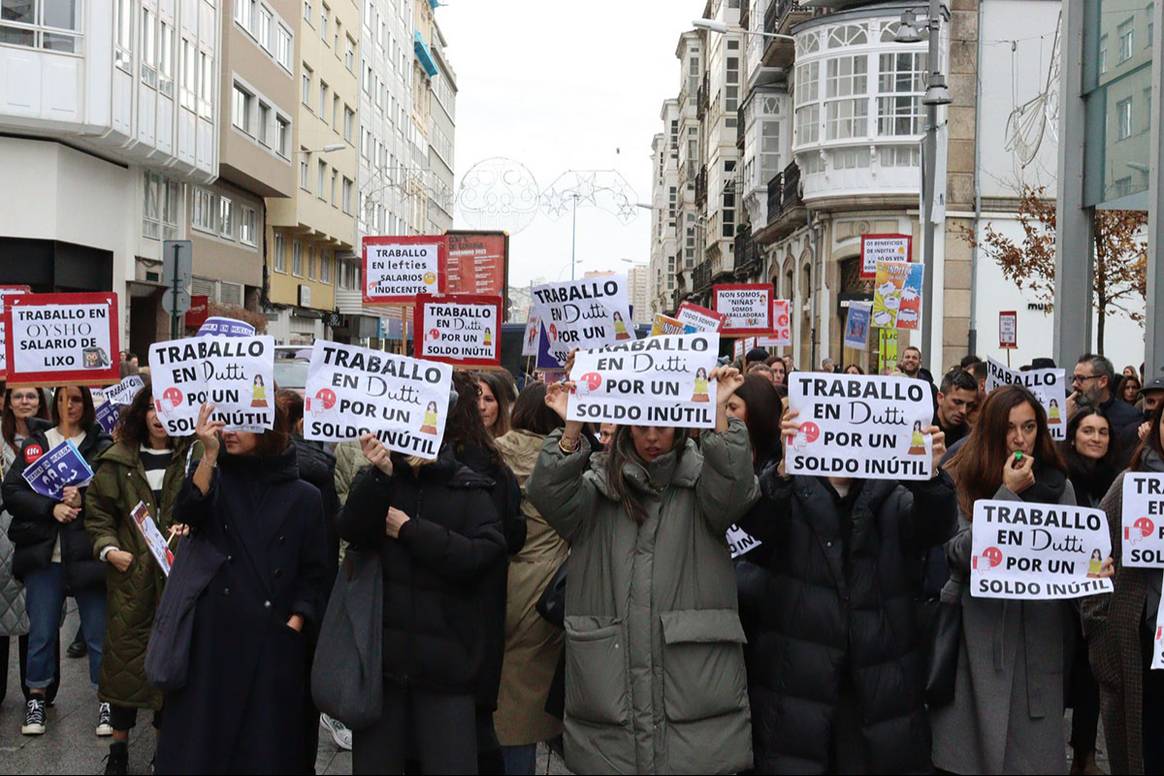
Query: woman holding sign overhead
655,677
53,554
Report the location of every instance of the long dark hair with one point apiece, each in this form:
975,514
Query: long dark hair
504,391
764,410
464,427
1090,478
622,451
88,417
977,467
530,412
132,427
8,419
1150,442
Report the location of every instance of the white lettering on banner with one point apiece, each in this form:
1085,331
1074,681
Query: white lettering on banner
1048,385
235,374
458,331
401,269
658,381
584,314
1038,552
863,426
740,541
353,391
1142,521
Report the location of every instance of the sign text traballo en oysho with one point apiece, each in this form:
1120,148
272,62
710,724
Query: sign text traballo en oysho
1036,552
657,381
1142,521
62,339
701,318
584,314
458,329
7,291
235,374
862,426
1049,386
746,307
353,391
396,269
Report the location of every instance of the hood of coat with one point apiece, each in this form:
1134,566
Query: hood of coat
678,467
268,468
520,449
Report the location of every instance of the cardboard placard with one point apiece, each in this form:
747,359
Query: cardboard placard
897,295
584,314
884,247
1037,552
396,269
862,426
1008,329
62,339
1048,385
235,374
746,307
153,537
657,381
1142,521
857,325
7,291
353,391
57,469
461,329
701,318
781,326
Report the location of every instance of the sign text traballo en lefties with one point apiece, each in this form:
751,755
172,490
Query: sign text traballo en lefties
396,269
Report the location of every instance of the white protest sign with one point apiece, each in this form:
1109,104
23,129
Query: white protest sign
1142,522
1037,552
123,392
657,381
235,374
883,247
699,317
741,347
1158,640
529,342
781,326
62,339
584,314
746,307
353,391
153,537
740,541
462,329
9,291
1048,385
863,426
396,269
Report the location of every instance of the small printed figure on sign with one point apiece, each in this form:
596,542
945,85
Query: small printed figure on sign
258,393
173,395
429,278
700,393
488,337
1094,565
434,334
991,557
1144,528
1053,413
553,333
917,442
620,332
95,358
533,335
430,419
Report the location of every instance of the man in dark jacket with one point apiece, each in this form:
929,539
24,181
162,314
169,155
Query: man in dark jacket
1094,380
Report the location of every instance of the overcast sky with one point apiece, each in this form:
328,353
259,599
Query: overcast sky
563,86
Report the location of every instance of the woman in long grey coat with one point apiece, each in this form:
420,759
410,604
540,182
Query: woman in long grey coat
655,679
1007,712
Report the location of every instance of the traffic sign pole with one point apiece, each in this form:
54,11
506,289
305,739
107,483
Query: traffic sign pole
174,314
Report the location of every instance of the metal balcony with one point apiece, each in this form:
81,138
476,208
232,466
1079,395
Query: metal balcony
779,18
701,187
785,205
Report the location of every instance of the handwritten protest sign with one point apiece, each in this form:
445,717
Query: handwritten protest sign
353,391
1142,521
123,392
897,295
1036,552
584,314
62,339
458,329
700,317
746,307
1048,385
883,247
8,291
740,542
862,426
396,269
781,326
236,374
657,381
153,537
857,325
665,324
62,466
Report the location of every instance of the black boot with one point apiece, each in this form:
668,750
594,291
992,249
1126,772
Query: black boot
117,763
78,648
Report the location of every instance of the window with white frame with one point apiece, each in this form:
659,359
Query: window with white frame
225,217
246,225
151,223
323,97
244,13
770,161
202,210
206,85
334,186
279,259
324,15
311,262
349,123
307,16
347,196
170,193
188,93
325,269
166,58
304,171
26,36
848,35
149,47
900,85
320,191
296,258
263,130
1127,38
282,136
1124,119
307,72
243,102
732,90
807,108
263,28
284,47
350,54
335,112
846,103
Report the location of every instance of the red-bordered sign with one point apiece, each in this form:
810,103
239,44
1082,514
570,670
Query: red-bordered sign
467,332
746,307
697,315
10,290
884,247
1008,330
398,269
781,336
68,342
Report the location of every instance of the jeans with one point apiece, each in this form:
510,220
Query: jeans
44,596
520,760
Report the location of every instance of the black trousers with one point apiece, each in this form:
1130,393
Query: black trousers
125,717
1083,698
5,646
437,730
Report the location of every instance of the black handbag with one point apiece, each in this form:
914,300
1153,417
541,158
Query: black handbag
552,603
942,671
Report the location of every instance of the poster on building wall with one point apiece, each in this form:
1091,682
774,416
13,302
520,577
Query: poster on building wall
1048,385
700,317
478,263
62,339
7,291
584,314
883,247
781,326
461,329
897,295
396,269
746,307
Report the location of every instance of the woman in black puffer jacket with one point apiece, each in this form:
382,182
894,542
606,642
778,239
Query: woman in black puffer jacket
837,673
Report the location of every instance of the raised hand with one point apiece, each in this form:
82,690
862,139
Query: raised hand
376,453
207,432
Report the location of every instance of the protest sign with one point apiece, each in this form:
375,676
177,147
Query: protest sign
1158,641
897,295
225,327
1048,385
862,426
62,339
657,381
741,346
353,391
533,329
153,537
235,374
1142,521
8,291
700,317
60,467
460,329
396,269
1037,552
884,247
781,326
584,314
123,392
746,307
857,325
740,542
108,414
1008,329
665,324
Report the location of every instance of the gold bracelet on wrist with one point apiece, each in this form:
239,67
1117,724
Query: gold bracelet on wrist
573,448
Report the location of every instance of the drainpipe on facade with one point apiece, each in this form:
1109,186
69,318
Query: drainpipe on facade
972,336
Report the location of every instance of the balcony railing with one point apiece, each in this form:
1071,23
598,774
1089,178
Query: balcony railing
741,128
779,18
701,276
784,192
749,262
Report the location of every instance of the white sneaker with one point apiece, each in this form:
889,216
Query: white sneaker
33,717
339,732
104,720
